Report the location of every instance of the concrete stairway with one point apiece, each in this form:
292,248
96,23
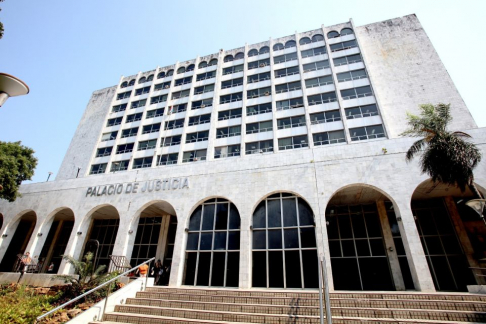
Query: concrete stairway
180,305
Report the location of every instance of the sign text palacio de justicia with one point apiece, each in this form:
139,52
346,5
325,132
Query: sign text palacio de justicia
138,187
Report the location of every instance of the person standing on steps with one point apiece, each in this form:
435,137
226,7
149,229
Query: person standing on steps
158,271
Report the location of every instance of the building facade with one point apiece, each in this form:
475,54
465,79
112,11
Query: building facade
245,167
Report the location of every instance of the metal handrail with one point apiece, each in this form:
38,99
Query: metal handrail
93,290
323,273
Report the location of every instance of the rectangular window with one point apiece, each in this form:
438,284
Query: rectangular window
232,83
258,77
361,111
147,145
171,141
157,99
119,165
194,156
129,132
259,109
119,108
227,151
291,122
109,136
201,119
258,64
260,127
123,95
325,117
286,72
286,87
145,162
199,104
343,46
197,137
104,151
290,104
155,113
259,147
134,117
138,103
205,76
314,66
182,81
162,86
178,108
321,98
229,114
114,121
285,58
151,128
173,124
231,98
124,148
347,59
327,138
351,75
180,94
294,142
233,69
365,133
255,93
204,89
354,93
320,81
314,51
98,168
142,91
228,131
167,159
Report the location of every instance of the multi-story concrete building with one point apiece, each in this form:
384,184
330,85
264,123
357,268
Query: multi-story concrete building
244,167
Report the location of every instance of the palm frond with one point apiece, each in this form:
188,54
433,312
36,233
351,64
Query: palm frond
414,149
461,134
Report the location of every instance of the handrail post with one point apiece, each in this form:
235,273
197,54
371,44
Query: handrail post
106,302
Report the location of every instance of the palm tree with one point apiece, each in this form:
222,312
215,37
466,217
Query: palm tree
447,156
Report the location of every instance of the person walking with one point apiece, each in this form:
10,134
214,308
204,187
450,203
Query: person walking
158,271
142,270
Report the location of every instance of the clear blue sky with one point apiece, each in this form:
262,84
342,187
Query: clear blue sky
65,50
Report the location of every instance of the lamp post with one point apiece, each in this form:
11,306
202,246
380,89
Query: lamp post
11,86
50,173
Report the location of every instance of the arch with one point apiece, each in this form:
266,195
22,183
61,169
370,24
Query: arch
317,38
228,58
213,61
124,84
161,75
346,31
239,56
202,64
132,82
180,70
150,78
252,52
26,221
213,244
142,80
290,43
332,34
169,73
264,50
278,47
284,243
190,68
359,218
305,40
447,228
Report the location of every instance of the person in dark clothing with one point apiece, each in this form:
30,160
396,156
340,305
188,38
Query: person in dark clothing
158,272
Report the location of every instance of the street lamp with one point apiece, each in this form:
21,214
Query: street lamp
11,86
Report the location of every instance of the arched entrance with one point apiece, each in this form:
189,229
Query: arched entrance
155,236
364,241
284,249
19,241
102,234
452,234
213,245
57,240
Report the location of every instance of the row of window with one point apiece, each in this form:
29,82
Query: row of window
294,142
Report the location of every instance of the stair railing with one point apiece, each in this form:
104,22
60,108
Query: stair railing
97,288
323,276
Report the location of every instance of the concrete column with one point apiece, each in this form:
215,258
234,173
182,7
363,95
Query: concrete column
177,268
463,237
390,247
245,249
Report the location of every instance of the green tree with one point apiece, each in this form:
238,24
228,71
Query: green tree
17,164
1,25
447,156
